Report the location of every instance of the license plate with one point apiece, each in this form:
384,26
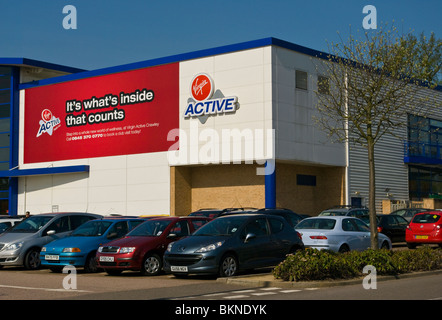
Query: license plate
178,269
421,237
52,257
106,259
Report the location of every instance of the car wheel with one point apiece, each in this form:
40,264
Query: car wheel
228,266
32,259
385,245
151,265
91,265
344,248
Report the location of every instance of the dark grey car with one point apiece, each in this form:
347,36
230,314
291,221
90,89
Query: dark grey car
231,243
21,245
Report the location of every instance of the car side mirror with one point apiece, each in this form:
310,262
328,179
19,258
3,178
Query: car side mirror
172,236
50,232
249,236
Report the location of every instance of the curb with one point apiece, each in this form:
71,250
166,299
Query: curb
268,280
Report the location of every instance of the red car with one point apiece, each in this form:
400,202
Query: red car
426,227
142,249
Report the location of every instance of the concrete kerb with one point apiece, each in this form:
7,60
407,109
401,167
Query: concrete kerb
268,280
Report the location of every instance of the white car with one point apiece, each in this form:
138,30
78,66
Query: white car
7,223
338,233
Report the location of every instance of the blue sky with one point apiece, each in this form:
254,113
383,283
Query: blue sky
115,32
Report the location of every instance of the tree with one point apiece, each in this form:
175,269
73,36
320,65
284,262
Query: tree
367,87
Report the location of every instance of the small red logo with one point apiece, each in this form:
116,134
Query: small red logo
201,87
46,115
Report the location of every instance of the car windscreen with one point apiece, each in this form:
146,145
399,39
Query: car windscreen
221,226
426,218
151,228
32,224
92,228
322,224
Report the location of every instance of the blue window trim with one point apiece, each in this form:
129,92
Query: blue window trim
15,173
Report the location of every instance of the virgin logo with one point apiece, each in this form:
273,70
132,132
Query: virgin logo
201,87
46,115
48,123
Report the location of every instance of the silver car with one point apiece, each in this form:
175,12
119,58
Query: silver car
338,233
20,246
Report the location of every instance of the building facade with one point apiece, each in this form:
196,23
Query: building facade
225,127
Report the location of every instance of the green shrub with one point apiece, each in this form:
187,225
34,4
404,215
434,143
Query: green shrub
313,264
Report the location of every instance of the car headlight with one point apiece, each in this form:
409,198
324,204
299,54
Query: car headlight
169,246
71,250
210,247
43,249
127,249
14,246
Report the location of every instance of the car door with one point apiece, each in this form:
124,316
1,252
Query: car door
355,238
402,226
179,230
390,227
364,232
258,250
281,245
57,229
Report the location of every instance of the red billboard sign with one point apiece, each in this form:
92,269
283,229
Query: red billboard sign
122,113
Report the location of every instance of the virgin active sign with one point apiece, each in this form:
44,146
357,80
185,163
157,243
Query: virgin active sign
205,102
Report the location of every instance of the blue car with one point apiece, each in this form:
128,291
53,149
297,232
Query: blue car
231,243
80,247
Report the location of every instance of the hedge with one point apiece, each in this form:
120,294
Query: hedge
313,264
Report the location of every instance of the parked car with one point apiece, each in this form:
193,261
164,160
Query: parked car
214,213
338,233
408,213
142,249
80,247
425,228
8,223
231,243
349,211
292,218
393,226
21,245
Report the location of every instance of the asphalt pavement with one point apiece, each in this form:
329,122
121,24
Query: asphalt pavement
266,279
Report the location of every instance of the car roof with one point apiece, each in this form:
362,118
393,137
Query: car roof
332,217
181,218
64,213
112,219
433,211
250,214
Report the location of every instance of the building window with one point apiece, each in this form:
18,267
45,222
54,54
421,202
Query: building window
301,80
424,137
5,128
424,182
305,180
323,85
